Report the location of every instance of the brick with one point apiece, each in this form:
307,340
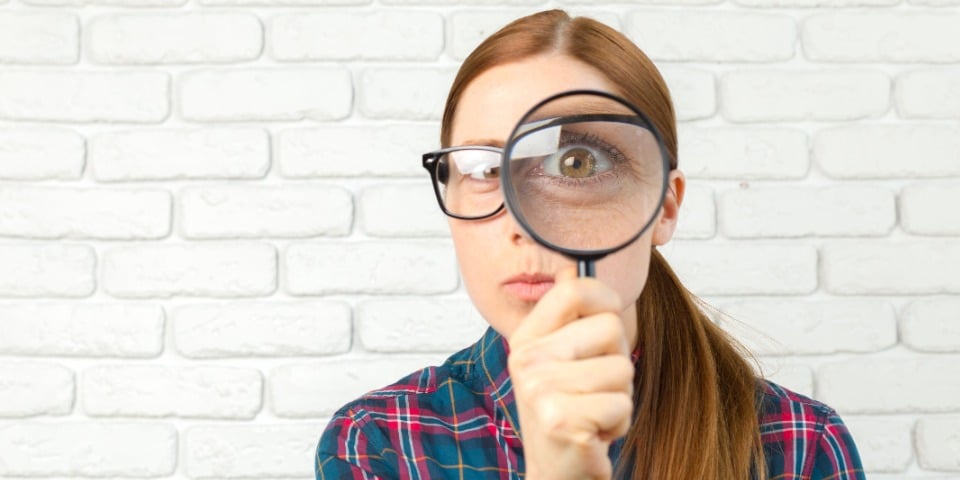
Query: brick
318,389
35,388
282,94
262,329
47,271
466,29
653,2
928,93
151,38
393,267
113,3
82,330
784,372
404,93
846,210
355,151
938,443
931,325
882,37
784,327
224,270
865,384
260,451
815,3
378,35
58,212
698,217
794,95
922,209
883,442
743,153
692,90
762,269
878,151
720,36
418,325
164,391
401,210
236,211
86,449
77,96
41,154
874,268
504,3
280,3
221,153
38,38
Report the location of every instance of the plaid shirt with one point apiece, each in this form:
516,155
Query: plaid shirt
459,420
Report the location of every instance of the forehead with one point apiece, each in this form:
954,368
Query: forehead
496,99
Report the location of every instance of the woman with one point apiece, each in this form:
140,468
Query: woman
621,376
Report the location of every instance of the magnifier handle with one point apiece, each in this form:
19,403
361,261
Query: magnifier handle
585,268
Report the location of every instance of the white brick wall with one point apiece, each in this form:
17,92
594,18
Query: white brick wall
215,229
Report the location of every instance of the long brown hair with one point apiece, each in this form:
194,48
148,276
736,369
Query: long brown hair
696,396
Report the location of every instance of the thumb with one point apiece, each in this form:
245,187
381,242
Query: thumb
566,274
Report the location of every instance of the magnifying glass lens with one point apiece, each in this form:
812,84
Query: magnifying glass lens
586,174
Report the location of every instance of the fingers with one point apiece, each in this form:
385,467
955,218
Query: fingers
601,415
570,299
596,335
610,374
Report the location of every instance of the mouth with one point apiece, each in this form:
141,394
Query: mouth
528,287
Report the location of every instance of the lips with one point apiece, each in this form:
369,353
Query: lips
528,287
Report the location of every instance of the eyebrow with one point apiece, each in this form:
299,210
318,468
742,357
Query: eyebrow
488,142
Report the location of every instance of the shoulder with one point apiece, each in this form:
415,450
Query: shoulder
805,438
366,434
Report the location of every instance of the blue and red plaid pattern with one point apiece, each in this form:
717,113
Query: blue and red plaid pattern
459,420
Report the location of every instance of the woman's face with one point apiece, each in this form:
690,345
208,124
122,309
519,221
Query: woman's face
504,270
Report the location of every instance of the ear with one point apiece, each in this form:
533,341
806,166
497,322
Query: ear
667,223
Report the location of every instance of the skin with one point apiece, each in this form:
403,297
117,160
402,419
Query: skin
570,338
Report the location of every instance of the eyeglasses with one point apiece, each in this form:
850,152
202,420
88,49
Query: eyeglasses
466,180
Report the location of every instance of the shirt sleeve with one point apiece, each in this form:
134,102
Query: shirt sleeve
836,456
348,451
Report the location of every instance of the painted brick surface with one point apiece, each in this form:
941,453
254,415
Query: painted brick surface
346,36
156,391
289,211
174,38
215,228
41,154
721,36
281,94
39,38
173,154
203,269
57,212
84,96
262,329
82,330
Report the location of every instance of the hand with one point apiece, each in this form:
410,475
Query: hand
572,379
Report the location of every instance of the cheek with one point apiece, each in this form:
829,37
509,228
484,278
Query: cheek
627,269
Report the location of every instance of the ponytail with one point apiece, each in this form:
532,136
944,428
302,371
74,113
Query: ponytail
695,395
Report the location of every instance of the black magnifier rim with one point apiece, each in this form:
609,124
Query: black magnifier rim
510,198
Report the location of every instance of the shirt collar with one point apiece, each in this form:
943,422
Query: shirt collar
490,372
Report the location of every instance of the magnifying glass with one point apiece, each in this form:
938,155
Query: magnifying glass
584,173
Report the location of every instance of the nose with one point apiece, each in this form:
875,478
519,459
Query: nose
516,233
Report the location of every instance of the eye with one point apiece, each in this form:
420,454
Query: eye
576,161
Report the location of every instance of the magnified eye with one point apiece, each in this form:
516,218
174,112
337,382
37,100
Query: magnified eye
577,161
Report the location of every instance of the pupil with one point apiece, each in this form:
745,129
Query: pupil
578,163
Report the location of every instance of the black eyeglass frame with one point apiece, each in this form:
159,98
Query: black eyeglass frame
430,162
